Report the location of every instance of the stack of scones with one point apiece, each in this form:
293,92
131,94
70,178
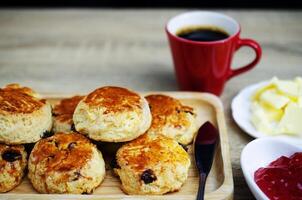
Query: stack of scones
66,156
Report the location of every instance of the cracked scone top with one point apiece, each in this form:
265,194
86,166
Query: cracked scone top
171,118
152,164
112,114
63,113
66,163
23,116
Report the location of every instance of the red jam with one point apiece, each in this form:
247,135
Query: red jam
282,179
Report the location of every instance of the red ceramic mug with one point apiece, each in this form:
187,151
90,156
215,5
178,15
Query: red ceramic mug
206,66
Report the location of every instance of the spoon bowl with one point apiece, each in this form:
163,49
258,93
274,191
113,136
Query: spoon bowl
205,143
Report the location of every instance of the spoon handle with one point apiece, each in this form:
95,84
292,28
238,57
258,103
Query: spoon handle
202,184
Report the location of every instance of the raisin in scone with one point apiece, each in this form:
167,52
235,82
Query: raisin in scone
13,161
66,163
152,164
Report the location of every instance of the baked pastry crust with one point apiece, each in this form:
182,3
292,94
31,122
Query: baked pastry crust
13,161
23,116
171,118
66,163
152,164
63,113
112,114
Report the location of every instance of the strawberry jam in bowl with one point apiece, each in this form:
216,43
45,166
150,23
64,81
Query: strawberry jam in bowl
282,178
272,168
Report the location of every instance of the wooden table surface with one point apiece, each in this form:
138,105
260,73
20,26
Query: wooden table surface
68,51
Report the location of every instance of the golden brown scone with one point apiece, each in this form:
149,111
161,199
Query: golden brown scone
12,164
152,164
63,113
23,117
18,88
66,163
112,114
171,118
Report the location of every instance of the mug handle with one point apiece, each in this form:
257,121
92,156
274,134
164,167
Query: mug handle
256,47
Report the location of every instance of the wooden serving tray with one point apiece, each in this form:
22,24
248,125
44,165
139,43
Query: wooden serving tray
219,183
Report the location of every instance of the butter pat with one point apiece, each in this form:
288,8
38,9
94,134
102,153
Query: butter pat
277,107
298,81
272,98
291,122
299,102
271,113
260,120
258,93
289,88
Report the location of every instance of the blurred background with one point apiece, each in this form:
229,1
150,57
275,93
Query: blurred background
124,43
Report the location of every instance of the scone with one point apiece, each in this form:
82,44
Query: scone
112,114
12,165
23,116
172,119
66,163
63,113
152,164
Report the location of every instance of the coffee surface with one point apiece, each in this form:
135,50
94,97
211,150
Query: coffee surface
202,33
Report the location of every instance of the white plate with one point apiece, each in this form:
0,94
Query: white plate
260,153
242,114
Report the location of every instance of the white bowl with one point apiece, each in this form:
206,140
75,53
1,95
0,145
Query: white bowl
241,113
260,153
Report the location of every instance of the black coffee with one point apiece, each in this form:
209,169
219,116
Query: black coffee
202,33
